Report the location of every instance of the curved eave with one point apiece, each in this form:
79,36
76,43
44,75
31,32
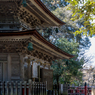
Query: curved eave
48,12
34,8
37,36
39,5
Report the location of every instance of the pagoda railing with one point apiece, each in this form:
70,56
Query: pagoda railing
23,88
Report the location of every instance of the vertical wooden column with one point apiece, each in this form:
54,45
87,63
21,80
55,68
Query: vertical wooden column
33,72
9,67
21,67
5,71
1,71
39,73
29,69
85,88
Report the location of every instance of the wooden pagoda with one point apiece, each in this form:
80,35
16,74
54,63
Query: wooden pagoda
24,53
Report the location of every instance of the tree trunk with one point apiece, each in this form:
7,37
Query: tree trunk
58,84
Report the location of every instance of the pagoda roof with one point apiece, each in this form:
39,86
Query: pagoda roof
45,11
39,40
34,14
43,16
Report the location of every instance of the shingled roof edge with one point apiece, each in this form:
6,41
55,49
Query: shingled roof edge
38,36
49,12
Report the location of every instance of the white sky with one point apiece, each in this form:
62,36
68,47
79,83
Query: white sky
91,51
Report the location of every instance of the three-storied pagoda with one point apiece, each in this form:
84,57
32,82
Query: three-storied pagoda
24,53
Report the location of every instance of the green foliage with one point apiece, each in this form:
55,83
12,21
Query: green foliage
69,47
66,30
72,44
85,10
65,15
66,71
53,4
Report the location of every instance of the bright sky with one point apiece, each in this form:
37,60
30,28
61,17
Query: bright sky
91,51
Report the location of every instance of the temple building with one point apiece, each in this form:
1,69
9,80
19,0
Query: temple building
24,53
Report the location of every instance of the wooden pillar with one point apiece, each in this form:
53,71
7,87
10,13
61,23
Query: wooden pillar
85,88
32,70
29,69
5,71
39,73
21,67
9,67
33,78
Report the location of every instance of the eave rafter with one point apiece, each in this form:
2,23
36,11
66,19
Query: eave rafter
25,16
20,46
39,42
34,15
